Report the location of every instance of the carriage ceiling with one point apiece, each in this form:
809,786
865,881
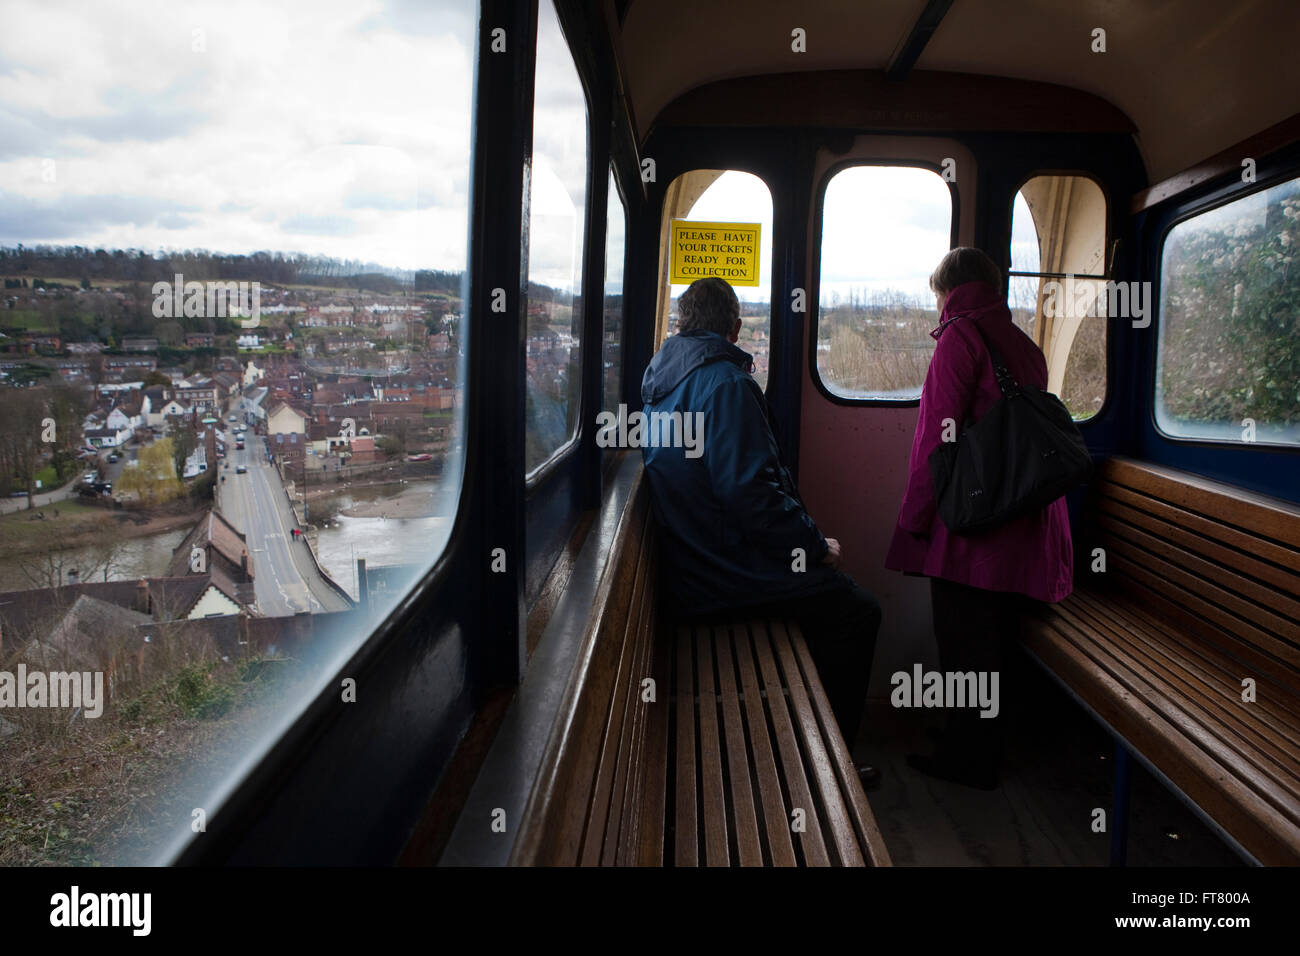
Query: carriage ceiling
1194,76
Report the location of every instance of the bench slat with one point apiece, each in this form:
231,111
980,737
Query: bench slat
1196,600
776,816
1275,709
1267,518
687,834
799,794
651,835
1268,835
1260,756
1223,543
623,818
713,800
1274,610
606,802
744,818
870,839
834,813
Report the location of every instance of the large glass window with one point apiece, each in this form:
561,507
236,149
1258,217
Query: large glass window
1057,290
221,467
722,196
884,229
556,226
1229,355
615,253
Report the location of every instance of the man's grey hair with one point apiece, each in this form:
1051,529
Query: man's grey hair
709,304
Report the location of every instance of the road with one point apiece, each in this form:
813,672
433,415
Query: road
285,578
107,472
40,499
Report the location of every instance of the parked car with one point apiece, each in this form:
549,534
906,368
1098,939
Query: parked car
114,458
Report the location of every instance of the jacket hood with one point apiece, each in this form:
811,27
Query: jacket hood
974,300
681,355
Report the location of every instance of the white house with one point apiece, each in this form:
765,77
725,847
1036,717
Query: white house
118,419
249,341
170,408
252,374
107,437
197,462
284,419
212,603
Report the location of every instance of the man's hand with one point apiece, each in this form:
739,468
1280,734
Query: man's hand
833,555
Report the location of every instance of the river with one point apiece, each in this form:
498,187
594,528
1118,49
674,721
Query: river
381,541
146,556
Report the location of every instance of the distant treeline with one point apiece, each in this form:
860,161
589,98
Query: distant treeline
87,266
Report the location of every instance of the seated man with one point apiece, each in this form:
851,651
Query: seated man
735,531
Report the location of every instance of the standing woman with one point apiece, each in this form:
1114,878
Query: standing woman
978,583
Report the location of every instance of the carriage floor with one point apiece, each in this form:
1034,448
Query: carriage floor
1057,769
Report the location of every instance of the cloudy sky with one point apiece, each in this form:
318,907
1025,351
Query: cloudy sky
327,127
342,129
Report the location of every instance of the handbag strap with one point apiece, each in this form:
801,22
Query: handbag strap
1006,381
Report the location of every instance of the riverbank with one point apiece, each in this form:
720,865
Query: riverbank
72,524
416,502
328,486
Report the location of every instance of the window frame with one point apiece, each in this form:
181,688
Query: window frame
815,279
270,784
1108,270
1193,209
1109,266
538,475
667,290
622,328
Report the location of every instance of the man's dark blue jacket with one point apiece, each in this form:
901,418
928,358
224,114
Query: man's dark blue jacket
731,518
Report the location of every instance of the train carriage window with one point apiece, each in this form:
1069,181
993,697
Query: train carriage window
253,449
723,196
1228,365
556,227
884,229
615,252
1056,287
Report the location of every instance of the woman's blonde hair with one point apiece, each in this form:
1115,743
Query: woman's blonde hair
964,264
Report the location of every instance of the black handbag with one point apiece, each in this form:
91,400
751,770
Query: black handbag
1021,456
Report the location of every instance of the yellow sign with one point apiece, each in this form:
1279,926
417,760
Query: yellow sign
728,250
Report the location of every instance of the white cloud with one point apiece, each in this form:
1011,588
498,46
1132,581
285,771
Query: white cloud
334,128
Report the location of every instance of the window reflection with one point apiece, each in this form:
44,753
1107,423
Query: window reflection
615,248
556,225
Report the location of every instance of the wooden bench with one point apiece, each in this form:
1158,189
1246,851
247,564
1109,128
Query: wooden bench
759,774
692,748
1201,591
